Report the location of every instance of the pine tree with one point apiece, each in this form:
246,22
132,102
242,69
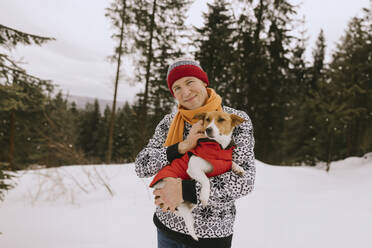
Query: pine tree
300,125
4,134
123,151
91,132
216,52
317,69
5,178
341,102
160,98
104,125
158,40
351,70
329,110
311,151
19,91
297,118
263,88
119,13
56,144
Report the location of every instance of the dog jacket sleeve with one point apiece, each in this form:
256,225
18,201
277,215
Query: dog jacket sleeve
220,159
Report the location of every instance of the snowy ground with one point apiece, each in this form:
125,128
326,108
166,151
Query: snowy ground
291,207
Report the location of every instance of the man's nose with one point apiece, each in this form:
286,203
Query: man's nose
186,91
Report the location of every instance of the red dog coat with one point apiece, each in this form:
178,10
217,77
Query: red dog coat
210,150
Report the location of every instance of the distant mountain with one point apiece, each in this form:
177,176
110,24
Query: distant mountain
81,101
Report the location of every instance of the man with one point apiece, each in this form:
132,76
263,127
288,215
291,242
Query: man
178,133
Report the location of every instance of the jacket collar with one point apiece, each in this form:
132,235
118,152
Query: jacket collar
231,145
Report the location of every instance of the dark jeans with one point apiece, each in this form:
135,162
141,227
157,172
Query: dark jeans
165,242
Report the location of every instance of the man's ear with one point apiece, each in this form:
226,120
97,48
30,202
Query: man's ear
236,120
199,116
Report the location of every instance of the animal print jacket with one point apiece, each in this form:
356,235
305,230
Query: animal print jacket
217,219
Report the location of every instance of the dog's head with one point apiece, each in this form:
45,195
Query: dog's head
219,125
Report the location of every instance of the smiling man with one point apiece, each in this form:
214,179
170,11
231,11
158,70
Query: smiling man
190,92
179,133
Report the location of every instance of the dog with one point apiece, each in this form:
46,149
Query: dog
211,157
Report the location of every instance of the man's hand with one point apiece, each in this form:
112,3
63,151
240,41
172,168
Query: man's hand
170,196
196,132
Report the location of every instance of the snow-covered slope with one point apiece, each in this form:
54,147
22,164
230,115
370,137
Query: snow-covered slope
109,207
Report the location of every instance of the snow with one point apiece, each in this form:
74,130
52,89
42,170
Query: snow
73,207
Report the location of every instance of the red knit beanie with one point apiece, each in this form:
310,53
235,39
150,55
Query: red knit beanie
185,68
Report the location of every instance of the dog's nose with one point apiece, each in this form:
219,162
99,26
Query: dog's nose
209,131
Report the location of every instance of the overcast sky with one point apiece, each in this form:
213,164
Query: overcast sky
77,62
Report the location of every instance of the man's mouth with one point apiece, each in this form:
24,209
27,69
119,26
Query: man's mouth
190,99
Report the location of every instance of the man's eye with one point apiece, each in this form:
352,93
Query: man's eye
175,89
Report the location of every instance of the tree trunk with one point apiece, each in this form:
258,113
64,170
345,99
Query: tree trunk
112,118
349,135
11,139
330,147
258,31
144,111
358,137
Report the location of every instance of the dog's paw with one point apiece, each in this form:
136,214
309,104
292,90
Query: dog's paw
194,237
238,170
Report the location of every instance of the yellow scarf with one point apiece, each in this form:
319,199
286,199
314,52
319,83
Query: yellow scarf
175,133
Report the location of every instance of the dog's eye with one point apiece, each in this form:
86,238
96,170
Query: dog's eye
221,120
208,120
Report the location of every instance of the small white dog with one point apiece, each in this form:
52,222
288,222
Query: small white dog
218,126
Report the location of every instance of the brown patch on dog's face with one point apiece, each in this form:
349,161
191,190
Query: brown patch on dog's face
200,116
236,120
223,121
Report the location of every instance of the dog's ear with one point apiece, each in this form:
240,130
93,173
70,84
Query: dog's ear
236,120
200,116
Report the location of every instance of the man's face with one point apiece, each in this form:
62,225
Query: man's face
190,92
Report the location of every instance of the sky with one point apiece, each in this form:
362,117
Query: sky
77,61
290,207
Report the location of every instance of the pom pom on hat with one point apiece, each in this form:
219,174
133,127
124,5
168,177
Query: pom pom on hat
185,67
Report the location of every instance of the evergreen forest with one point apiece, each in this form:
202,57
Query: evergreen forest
303,111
